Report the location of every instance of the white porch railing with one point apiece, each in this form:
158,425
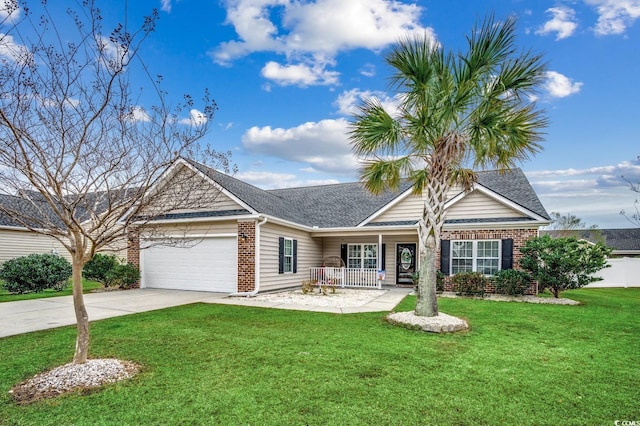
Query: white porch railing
345,277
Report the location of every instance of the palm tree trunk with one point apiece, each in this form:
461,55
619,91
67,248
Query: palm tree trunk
82,318
429,228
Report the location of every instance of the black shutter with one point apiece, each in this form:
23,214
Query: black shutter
295,256
281,255
343,254
507,253
384,252
445,256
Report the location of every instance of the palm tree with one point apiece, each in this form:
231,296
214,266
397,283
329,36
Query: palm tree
458,112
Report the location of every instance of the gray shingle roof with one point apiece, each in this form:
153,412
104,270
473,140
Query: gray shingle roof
38,210
349,204
515,186
618,239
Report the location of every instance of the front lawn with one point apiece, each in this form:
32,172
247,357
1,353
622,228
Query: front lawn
87,286
217,364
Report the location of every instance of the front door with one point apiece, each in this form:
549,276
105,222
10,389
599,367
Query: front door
405,263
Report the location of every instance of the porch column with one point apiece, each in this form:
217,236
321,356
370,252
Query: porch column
379,259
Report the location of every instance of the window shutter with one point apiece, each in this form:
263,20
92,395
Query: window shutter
507,253
281,255
343,254
384,250
445,256
295,256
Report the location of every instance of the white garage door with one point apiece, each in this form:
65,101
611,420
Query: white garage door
210,265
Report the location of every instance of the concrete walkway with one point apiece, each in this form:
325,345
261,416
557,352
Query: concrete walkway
41,314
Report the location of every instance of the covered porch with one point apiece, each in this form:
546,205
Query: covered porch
369,258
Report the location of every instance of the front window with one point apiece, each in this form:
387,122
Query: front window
362,256
288,255
475,256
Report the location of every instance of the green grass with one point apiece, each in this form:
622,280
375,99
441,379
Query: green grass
87,286
520,364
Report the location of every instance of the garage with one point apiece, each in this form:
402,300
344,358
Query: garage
209,265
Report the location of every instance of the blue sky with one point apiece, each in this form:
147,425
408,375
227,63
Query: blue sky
286,75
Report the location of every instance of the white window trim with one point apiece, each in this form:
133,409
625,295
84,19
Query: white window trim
362,256
285,256
474,267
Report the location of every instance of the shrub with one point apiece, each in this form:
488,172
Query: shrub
99,269
107,270
35,273
308,286
512,282
469,283
439,281
560,264
124,275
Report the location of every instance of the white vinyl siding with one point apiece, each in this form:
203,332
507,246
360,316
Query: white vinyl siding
309,255
475,256
480,206
17,243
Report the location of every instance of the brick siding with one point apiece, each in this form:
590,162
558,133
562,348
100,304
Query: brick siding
519,236
246,256
133,250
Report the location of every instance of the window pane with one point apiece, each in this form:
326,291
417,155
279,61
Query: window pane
287,264
370,251
370,263
354,263
462,249
488,249
461,265
488,266
288,247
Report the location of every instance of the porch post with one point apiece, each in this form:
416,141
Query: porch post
379,259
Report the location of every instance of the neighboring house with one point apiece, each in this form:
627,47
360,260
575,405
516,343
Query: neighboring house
254,240
17,240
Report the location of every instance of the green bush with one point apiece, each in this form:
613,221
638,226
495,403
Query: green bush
512,282
124,275
35,273
100,268
439,281
469,283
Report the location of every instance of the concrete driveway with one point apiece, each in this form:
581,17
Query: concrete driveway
31,315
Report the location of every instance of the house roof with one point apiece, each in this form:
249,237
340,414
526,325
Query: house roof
350,204
623,239
34,208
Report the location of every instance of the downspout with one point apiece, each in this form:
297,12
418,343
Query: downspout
256,264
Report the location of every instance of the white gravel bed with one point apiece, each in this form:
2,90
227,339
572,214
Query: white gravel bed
70,377
343,298
442,323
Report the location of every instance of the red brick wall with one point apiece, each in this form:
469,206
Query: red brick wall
133,250
519,236
246,256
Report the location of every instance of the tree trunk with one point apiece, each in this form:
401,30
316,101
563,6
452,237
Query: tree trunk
427,303
82,318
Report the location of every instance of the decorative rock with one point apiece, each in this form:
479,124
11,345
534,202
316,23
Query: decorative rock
442,323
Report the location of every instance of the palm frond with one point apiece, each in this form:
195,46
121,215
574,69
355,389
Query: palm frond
380,175
374,131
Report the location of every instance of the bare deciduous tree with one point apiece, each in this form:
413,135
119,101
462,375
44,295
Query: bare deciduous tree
634,218
82,159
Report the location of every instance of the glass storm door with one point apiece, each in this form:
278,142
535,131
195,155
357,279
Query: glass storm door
405,263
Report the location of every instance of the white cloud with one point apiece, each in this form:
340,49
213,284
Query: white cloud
11,50
595,194
561,86
270,180
310,34
348,101
563,22
300,75
165,5
368,70
139,114
322,145
615,15
9,14
196,118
